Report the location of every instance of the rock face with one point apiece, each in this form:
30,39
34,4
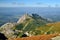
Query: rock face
56,38
7,29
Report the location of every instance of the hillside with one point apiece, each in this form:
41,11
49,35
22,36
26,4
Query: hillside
50,28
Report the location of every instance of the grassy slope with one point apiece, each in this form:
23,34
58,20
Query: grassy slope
50,28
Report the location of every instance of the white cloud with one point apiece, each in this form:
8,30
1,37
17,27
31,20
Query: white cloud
14,4
10,5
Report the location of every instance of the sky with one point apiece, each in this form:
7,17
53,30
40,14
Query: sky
29,3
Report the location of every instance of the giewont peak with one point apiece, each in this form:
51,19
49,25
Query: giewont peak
23,18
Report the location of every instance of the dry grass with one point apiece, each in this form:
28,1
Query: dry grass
41,37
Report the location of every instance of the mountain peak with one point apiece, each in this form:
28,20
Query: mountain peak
34,16
24,17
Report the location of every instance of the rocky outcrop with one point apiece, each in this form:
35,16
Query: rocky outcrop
7,29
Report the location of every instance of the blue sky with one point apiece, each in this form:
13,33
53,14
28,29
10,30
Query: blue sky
29,3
